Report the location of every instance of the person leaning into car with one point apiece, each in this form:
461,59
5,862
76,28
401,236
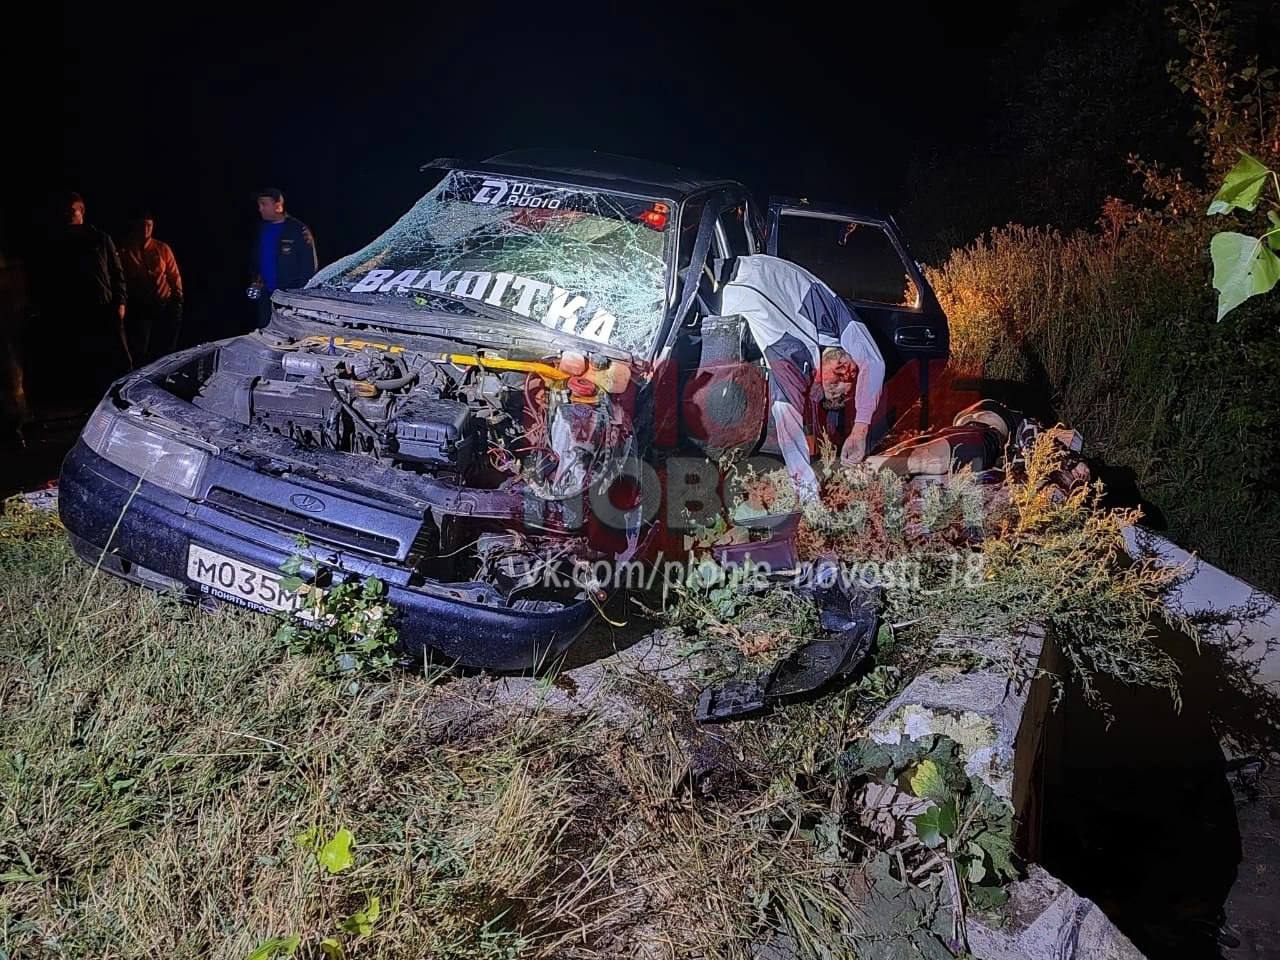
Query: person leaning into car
284,256
817,353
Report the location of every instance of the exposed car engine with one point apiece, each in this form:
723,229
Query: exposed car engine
559,423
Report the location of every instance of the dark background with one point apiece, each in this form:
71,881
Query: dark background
958,116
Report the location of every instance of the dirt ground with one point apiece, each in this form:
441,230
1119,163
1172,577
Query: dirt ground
1253,908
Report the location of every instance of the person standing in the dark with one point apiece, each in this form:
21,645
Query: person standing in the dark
14,412
155,293
284,256
83,293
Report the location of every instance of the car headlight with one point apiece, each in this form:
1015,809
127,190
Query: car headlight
153,456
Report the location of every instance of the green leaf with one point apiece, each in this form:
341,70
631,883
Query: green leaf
1242,187
927,782
1242,268
332,949
276,947
1273,241
884,638
925,945
977,863
292,566
935,823
947,821
309,839
999,847
361,922
291,583
335,856
18,875
987,898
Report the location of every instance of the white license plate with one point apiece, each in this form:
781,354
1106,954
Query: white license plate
238,582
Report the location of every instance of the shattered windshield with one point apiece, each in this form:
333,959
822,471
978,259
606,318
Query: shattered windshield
580,261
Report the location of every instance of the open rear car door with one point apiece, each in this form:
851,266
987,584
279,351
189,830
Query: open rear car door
864,260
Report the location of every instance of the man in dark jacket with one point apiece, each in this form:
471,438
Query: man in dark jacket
83,294
284,256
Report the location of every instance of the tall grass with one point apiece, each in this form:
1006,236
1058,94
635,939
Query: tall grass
1115,329
158,762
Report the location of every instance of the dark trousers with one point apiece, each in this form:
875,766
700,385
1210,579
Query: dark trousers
263,306
100,353
153,330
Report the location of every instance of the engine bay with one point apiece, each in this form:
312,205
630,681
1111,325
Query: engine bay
497,454
558,423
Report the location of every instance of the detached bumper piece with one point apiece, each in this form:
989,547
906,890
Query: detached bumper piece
850,616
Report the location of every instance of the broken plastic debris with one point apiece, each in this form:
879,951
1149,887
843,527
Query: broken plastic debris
851,617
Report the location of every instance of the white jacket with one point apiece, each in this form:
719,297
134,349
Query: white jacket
792,316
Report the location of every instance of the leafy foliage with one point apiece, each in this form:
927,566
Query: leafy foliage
974,826
276,948
1243,265
1234,103
937,823
332,855
964,829
868,514
927,781
1117,330
1238,121
1113,328
361,922
751,624
349,622
985,563
1242,187
28,537
1058,561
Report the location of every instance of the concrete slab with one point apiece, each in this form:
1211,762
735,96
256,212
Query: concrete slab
1208,589
981,710
1045,920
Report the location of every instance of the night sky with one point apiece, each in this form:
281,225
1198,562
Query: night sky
186,112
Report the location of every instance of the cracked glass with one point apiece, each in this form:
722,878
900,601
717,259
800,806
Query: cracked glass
584,262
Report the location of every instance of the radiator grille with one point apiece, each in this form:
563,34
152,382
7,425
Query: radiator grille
322,531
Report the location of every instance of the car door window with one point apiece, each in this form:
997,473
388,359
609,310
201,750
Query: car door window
858,260
689,221
733,227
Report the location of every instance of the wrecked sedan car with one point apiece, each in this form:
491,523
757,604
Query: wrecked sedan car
479,408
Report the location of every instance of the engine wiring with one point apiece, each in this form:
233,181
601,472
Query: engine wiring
346,405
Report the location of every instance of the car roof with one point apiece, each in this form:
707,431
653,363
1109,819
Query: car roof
591,168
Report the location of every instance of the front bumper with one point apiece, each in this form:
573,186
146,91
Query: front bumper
141,532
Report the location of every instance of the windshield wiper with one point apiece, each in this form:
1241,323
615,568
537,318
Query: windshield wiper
479,307
513,324
401,315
